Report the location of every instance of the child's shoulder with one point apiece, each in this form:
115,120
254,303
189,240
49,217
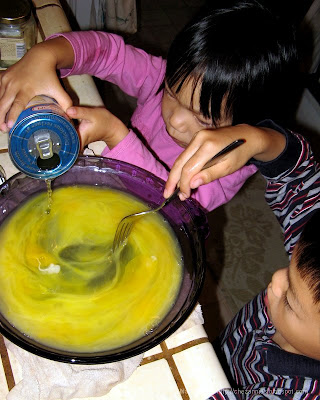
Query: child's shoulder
252,317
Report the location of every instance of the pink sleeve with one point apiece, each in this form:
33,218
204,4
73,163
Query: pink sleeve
210,196
132,150
222,190
107,57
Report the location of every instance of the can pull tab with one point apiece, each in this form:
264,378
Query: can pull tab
44,145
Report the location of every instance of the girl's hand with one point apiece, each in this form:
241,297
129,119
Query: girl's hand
261,143
34,74
97,123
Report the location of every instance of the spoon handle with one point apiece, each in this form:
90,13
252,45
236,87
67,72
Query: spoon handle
225,150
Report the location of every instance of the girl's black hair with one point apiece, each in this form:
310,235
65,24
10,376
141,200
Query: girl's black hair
240,52
307,255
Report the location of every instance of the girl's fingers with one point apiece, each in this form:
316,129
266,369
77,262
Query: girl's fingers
10,108
192,175
173,179
83,113
18,105
62,98
188,169
2,86
197,181
3,127
5,103
72,112
170,186
174,175
13,102
10,93
89,127
188,172
187,165
84,134
203,177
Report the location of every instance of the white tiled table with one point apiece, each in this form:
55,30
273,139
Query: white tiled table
185,366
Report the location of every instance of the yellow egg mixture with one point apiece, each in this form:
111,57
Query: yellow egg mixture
60,282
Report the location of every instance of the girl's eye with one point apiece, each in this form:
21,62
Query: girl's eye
204,124
286,303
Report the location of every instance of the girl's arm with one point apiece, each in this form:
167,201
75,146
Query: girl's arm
131,150
107,57
99,54
34,74
210,196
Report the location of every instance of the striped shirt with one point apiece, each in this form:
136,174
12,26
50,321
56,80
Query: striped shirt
259,368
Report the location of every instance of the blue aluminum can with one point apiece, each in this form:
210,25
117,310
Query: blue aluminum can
43,143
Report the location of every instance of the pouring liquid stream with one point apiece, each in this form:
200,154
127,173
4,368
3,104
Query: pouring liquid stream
49,195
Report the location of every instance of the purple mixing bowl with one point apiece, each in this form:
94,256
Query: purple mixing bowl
187,220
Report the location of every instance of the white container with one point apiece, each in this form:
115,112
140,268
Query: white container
17,30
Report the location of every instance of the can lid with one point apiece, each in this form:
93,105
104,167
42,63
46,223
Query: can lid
43,144
14,11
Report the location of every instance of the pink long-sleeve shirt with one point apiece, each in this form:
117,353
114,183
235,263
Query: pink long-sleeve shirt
140,75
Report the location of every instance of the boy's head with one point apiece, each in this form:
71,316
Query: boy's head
294,295
238,55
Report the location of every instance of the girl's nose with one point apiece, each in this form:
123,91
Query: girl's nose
179,119
280,282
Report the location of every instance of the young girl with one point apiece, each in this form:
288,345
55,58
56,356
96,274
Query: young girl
226,67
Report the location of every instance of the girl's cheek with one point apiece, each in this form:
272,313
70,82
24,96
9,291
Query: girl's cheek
165,108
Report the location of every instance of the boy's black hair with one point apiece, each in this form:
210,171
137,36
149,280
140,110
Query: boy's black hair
307,255
239,50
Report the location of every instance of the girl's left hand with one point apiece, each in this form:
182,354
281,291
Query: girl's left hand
187,172
263,144
97,123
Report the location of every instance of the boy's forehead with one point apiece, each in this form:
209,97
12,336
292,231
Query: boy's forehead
302,290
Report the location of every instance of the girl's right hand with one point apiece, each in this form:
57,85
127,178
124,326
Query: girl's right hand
187,170
34,74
